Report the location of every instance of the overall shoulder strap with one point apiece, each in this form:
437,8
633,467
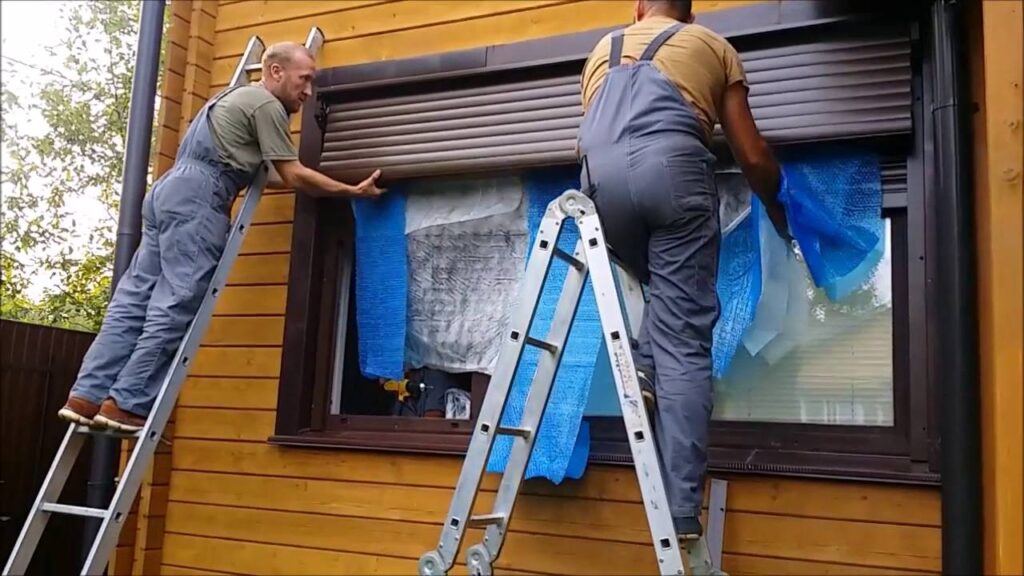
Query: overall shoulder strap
659,40
615,56
221,94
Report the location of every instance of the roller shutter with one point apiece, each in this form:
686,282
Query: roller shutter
846,84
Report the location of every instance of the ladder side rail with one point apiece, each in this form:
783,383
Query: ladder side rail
440,560
631,297
150,435
480,557
249,61
638,428
37,518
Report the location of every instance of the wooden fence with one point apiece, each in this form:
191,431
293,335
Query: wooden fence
38,365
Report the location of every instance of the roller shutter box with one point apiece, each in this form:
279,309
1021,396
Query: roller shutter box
850,83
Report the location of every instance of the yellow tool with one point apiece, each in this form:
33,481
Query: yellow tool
404,388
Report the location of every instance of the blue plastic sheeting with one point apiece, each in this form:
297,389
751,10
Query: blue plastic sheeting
739,286
833,201
604,398
381,284
563,442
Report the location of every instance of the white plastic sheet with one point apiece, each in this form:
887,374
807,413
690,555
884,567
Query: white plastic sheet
449,201
467,247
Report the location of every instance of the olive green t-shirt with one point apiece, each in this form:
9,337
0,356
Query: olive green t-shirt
250,125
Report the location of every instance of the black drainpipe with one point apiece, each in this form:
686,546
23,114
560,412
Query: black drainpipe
105,450
955,274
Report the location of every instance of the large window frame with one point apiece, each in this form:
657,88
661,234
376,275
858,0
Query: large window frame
321,246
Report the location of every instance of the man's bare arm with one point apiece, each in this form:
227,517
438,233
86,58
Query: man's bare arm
295,175
753,153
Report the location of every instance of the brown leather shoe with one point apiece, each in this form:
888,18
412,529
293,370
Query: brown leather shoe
115,418
79,411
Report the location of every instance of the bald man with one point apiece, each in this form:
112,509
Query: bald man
186,220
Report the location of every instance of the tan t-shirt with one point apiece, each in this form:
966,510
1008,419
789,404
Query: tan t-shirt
698,61
250,125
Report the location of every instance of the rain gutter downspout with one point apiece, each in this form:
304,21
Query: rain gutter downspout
105,449
957,366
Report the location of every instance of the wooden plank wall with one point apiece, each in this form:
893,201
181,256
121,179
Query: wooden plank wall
997,84
238,505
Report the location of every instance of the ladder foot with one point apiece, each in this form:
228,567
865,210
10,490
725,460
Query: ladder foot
478,561
431,564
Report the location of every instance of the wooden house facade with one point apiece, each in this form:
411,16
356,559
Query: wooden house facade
268,474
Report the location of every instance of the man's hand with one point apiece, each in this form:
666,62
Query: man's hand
777,214
295,175
368,188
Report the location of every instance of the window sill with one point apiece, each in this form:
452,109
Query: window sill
776,463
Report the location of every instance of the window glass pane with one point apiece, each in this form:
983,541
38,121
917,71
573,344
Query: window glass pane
832,364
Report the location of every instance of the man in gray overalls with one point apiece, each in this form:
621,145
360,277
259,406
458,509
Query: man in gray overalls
645,141
185,223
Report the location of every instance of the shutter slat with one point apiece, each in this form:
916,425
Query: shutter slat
847,85
447,95
497,163
883,88
894,176
460,112
465,146
859,106
337,142
381,161
461,123
564,93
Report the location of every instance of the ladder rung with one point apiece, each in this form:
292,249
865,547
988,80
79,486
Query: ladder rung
80,429
74,510
254,67
485,520
541,344
514,431
569,258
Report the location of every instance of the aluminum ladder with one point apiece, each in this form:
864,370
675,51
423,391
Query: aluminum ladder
614,289
113,517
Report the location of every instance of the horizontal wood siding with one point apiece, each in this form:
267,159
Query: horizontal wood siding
238,505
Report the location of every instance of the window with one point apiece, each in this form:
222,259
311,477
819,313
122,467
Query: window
836,369
850,397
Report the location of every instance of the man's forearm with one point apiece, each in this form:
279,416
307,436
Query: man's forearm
765,177
316,184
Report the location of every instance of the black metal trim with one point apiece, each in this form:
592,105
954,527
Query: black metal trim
956,348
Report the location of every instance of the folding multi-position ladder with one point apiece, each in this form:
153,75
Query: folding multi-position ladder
614,289
146,440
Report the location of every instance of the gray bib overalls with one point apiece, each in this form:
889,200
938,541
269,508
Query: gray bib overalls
649,172
185,222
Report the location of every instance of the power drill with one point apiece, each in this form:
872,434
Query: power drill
404,388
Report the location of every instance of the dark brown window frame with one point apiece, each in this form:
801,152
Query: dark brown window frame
906,452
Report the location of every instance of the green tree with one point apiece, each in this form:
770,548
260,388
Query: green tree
76,161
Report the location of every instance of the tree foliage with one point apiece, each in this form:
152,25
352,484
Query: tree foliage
61,183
